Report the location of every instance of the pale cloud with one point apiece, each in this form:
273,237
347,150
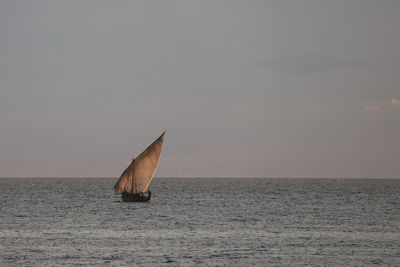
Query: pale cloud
380,106
395,102
372,107
307,64
182,174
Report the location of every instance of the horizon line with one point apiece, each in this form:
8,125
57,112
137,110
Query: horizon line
199,177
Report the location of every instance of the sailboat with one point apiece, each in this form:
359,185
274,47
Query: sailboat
137,177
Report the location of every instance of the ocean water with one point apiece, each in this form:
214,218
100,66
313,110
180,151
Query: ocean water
202,222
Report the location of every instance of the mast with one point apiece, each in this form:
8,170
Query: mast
133,178
123,181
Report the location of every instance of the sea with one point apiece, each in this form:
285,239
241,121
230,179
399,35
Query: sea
201,222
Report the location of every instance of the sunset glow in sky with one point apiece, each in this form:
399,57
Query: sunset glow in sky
243,88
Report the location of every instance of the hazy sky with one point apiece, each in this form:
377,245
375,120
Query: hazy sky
243,88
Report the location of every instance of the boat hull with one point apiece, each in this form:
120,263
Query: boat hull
135,197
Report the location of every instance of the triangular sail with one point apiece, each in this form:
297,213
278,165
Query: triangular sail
137,177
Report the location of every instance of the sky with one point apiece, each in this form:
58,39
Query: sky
243,88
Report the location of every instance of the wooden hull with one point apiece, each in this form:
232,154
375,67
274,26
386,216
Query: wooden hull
135,197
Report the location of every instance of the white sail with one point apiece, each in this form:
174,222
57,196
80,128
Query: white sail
137,177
